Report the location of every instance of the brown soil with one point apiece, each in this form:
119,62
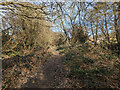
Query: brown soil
51,74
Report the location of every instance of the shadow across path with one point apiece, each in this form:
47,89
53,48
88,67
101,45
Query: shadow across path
50,75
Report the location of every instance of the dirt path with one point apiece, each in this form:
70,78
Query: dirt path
50,75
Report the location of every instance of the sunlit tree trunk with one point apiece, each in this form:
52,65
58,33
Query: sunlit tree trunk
92,32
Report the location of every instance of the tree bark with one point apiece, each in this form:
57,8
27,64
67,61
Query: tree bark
107,33
93,34
118,30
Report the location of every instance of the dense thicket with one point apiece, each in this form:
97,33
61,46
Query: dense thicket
99,20
88,36
24,30
92,19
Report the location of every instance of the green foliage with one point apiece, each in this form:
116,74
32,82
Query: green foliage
85,63
111,56
79,35
77,71
87,60
100,70
30,34
117,65
59,48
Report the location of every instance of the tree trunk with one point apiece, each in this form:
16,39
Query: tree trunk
93,34
96,32
107,33
117,26
118,29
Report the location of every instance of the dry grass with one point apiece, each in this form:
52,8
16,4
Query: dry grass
92,67
18,69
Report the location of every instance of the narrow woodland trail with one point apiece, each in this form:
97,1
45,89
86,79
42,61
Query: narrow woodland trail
50,75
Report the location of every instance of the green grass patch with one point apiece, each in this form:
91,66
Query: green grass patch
87,60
